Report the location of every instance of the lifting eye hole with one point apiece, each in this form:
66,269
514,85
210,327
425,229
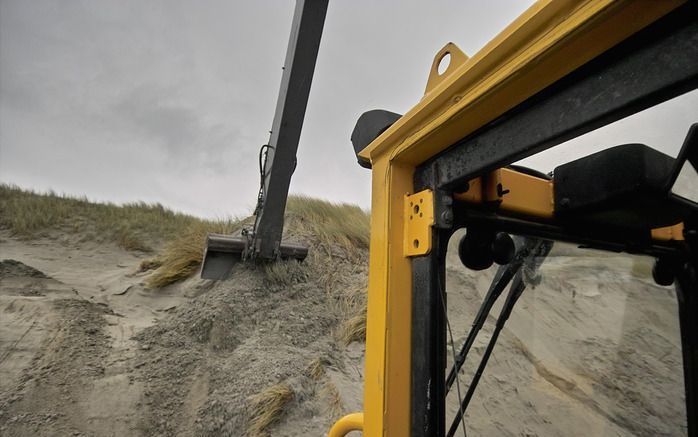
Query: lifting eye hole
444,62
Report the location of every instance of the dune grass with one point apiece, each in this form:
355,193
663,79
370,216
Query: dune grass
133,226
328,224
268,407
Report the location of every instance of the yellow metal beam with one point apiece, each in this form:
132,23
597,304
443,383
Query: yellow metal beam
389,315
668,233
512,191
548,41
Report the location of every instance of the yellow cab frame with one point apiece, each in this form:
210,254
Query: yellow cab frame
563,68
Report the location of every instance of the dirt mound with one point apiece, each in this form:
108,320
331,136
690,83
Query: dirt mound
238,339
10,268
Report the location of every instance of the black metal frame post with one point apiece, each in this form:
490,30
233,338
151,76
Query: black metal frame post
687,298
303,46
429,338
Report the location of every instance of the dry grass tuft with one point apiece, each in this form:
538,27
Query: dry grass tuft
351,305
183,255
353,329
267,407
316,368
149,264
286,272
334,406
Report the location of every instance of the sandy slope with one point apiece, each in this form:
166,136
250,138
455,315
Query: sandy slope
85,350
67,339
593,350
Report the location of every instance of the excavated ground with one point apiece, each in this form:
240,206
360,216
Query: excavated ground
86,350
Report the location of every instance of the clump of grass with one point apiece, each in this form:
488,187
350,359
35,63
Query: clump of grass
350,305
315,370
182,256
267,407
353,329
333,401
286,272
149,264
327,223
129,240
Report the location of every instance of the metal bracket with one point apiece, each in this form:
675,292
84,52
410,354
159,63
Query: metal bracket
419,218
451,57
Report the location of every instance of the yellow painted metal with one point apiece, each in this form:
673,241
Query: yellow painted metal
530,196
551,39
521,193
668,233
419,218
347,424
455,57
473,193
548,41
512,191
389,314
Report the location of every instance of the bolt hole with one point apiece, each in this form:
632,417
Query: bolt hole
444,62
415,243
420,214
416,209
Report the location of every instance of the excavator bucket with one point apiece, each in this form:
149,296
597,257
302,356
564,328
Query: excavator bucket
220,254
223,251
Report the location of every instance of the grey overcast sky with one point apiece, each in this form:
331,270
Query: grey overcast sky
168,101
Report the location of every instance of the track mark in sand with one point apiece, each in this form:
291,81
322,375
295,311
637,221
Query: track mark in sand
13,346
567,387
44,397
196,399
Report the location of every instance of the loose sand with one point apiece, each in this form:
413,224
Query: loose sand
86,350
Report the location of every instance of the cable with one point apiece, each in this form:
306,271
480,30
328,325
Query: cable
533,255
263,155
499,283
515,291
453,351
